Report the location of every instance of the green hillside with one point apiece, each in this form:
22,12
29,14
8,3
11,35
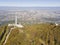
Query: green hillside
3,30
35,34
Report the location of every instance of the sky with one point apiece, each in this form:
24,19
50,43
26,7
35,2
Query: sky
30,3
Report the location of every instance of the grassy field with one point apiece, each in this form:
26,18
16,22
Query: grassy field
35,34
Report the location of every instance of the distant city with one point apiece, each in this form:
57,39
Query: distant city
30,15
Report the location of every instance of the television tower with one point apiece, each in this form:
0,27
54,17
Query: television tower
15,20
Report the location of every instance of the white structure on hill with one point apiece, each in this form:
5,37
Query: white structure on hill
16,20
56,24
16,24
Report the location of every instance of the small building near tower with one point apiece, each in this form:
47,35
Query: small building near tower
56,24
16,24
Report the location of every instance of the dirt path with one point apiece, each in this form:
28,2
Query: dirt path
8,36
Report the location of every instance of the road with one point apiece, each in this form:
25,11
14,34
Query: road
7,36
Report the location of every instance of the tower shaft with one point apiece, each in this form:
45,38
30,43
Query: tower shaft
15,19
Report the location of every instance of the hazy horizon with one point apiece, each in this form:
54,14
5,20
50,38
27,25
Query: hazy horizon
27,8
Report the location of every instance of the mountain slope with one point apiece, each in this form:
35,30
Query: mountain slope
35,34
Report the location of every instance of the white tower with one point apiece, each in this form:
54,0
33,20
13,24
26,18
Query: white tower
16,24
15,20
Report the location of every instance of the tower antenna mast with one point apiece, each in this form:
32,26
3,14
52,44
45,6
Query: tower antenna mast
16,19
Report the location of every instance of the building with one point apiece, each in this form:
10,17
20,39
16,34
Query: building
15,24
